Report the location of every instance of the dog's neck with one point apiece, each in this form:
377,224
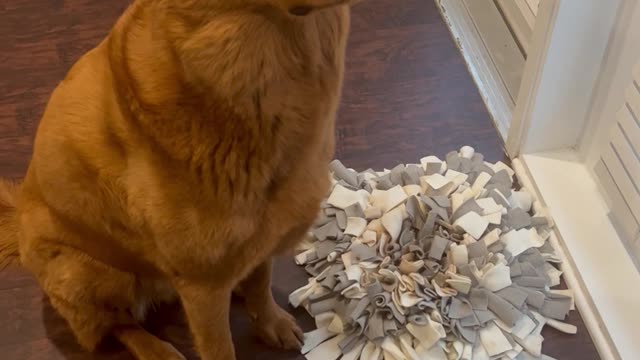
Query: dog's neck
229,81
228,55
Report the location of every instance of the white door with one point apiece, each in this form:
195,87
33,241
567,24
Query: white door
612,143
618,167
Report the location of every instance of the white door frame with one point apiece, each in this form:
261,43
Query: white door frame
569,44
557,117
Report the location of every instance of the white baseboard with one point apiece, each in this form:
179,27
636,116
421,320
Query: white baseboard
596,263
492,89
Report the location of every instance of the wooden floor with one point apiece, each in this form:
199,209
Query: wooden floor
407,94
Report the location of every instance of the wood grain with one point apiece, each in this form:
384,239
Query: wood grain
407,94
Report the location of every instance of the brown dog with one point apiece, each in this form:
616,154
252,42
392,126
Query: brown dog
178,157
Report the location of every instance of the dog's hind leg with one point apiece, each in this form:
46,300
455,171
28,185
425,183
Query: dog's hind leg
97,300
145,346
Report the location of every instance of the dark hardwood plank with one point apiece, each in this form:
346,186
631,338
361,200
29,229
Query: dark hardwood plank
407,94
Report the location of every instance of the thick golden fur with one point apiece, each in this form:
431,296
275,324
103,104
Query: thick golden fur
178,157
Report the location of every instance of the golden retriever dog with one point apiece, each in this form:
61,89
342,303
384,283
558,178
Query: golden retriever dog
174,161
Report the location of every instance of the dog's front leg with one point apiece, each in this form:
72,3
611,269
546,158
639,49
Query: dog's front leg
273,324
207,305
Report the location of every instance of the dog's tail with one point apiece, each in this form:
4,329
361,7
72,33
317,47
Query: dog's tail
9,228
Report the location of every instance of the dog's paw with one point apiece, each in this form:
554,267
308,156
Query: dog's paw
279,329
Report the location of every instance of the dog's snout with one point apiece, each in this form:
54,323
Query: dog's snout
305,7
300,10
